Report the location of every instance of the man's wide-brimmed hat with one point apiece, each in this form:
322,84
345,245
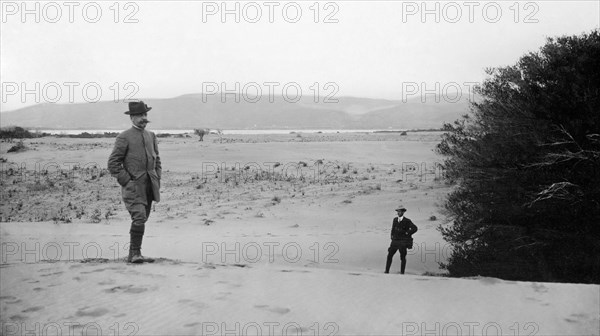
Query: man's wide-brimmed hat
401,207
137,108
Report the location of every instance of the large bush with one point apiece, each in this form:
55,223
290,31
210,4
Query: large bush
526,162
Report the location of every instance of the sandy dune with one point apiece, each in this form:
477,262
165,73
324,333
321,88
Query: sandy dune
176,297
272,249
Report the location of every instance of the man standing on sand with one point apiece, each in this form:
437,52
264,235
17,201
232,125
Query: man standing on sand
402,231
135,163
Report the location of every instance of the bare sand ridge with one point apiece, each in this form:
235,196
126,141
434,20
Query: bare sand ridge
256,234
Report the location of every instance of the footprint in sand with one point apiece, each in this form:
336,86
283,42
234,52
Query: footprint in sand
86,311
278,310
18,318
32,309
576,318
126,289
9,299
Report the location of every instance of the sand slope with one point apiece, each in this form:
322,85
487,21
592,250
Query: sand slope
182,298
291,250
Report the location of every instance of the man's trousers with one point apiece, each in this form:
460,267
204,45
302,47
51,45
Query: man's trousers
139,215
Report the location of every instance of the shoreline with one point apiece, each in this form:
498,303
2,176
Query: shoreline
238,131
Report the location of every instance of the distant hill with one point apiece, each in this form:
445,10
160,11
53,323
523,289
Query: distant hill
190,111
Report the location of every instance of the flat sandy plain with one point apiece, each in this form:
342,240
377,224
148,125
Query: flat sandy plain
255,234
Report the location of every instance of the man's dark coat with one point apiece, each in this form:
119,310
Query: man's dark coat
403,230
135,156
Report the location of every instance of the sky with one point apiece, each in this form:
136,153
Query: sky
61,52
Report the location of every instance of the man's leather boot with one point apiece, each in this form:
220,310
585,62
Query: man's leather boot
136,233
135,257
145,259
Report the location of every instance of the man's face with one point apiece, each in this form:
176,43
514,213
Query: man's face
400,213
140,120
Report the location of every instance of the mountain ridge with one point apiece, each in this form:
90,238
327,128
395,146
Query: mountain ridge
268,112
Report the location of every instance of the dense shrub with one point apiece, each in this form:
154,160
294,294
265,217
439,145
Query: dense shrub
526,163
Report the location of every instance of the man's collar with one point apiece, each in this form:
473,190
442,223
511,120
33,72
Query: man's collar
136,127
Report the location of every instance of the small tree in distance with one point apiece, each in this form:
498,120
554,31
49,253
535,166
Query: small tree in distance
526,163
201,132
